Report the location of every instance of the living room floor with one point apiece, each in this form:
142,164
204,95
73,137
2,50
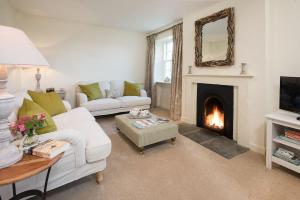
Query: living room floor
185,170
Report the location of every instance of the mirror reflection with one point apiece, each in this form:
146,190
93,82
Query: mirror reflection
215,40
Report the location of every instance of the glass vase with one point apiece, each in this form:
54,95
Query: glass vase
30,139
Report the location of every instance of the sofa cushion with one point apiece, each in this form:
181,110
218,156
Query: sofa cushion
131,101
70,119
104,85
102,104
117,88
131,89
30,108
92,91
51,102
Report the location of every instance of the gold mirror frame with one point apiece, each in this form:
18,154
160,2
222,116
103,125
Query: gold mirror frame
229,12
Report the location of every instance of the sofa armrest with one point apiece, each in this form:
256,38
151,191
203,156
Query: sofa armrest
67,105
81,98
143,93
75,138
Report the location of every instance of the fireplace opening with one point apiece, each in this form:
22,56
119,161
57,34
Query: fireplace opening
214,114
215,108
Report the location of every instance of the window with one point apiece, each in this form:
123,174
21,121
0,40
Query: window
163,58
167,60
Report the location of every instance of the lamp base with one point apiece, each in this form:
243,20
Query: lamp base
9,155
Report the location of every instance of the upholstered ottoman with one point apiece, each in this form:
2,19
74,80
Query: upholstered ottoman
146,136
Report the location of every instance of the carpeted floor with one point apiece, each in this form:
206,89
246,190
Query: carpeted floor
184,171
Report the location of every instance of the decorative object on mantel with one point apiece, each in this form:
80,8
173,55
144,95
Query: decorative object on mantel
243,68
190,70
206,30
15,50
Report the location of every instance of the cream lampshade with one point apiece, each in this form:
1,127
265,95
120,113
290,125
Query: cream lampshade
15,50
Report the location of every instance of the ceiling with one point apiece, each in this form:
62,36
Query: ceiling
136,15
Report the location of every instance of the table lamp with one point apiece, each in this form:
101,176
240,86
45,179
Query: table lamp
18,51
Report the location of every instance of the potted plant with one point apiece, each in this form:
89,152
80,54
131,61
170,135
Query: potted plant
27,126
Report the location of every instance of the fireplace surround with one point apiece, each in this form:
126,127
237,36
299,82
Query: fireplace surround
215,104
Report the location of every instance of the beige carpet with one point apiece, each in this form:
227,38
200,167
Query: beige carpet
182,171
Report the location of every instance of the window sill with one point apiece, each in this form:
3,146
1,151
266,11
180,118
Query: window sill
163,83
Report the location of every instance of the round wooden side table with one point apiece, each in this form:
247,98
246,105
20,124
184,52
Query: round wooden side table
25,168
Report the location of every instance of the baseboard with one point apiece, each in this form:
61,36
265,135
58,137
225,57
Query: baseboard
183,119
257,149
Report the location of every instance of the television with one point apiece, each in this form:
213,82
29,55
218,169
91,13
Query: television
290,94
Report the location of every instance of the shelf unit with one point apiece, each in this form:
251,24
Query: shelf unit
277,123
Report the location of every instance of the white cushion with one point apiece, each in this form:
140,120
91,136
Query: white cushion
70,119
104,85
131,101
117,88
102,104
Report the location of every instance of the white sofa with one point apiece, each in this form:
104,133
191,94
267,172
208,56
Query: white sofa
90,147
113,101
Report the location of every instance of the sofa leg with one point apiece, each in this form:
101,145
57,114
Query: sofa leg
173,140
99,177
141,150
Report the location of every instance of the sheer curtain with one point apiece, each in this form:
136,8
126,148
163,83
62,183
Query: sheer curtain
149,82
176,81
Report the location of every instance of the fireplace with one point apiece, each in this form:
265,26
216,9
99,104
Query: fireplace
215,108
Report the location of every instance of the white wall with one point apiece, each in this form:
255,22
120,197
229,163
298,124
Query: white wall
80,52
249,48
7,14
284,42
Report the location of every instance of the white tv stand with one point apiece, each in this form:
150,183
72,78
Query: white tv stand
276,124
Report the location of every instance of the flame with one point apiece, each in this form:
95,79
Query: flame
215,119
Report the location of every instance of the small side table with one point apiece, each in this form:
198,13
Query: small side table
27,167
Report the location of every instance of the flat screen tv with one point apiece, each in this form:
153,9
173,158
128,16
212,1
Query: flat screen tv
290,94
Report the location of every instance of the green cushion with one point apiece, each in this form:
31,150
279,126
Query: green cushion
92,91
51,102
30,108
132,89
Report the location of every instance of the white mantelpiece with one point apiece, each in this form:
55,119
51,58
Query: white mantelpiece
220,75
244,104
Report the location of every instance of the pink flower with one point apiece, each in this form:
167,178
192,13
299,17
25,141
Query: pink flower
42,116
21,127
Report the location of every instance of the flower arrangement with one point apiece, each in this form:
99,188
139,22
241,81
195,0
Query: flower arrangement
27,126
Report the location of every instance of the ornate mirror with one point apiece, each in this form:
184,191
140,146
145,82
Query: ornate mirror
215,39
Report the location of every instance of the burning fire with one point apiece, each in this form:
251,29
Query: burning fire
215,119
